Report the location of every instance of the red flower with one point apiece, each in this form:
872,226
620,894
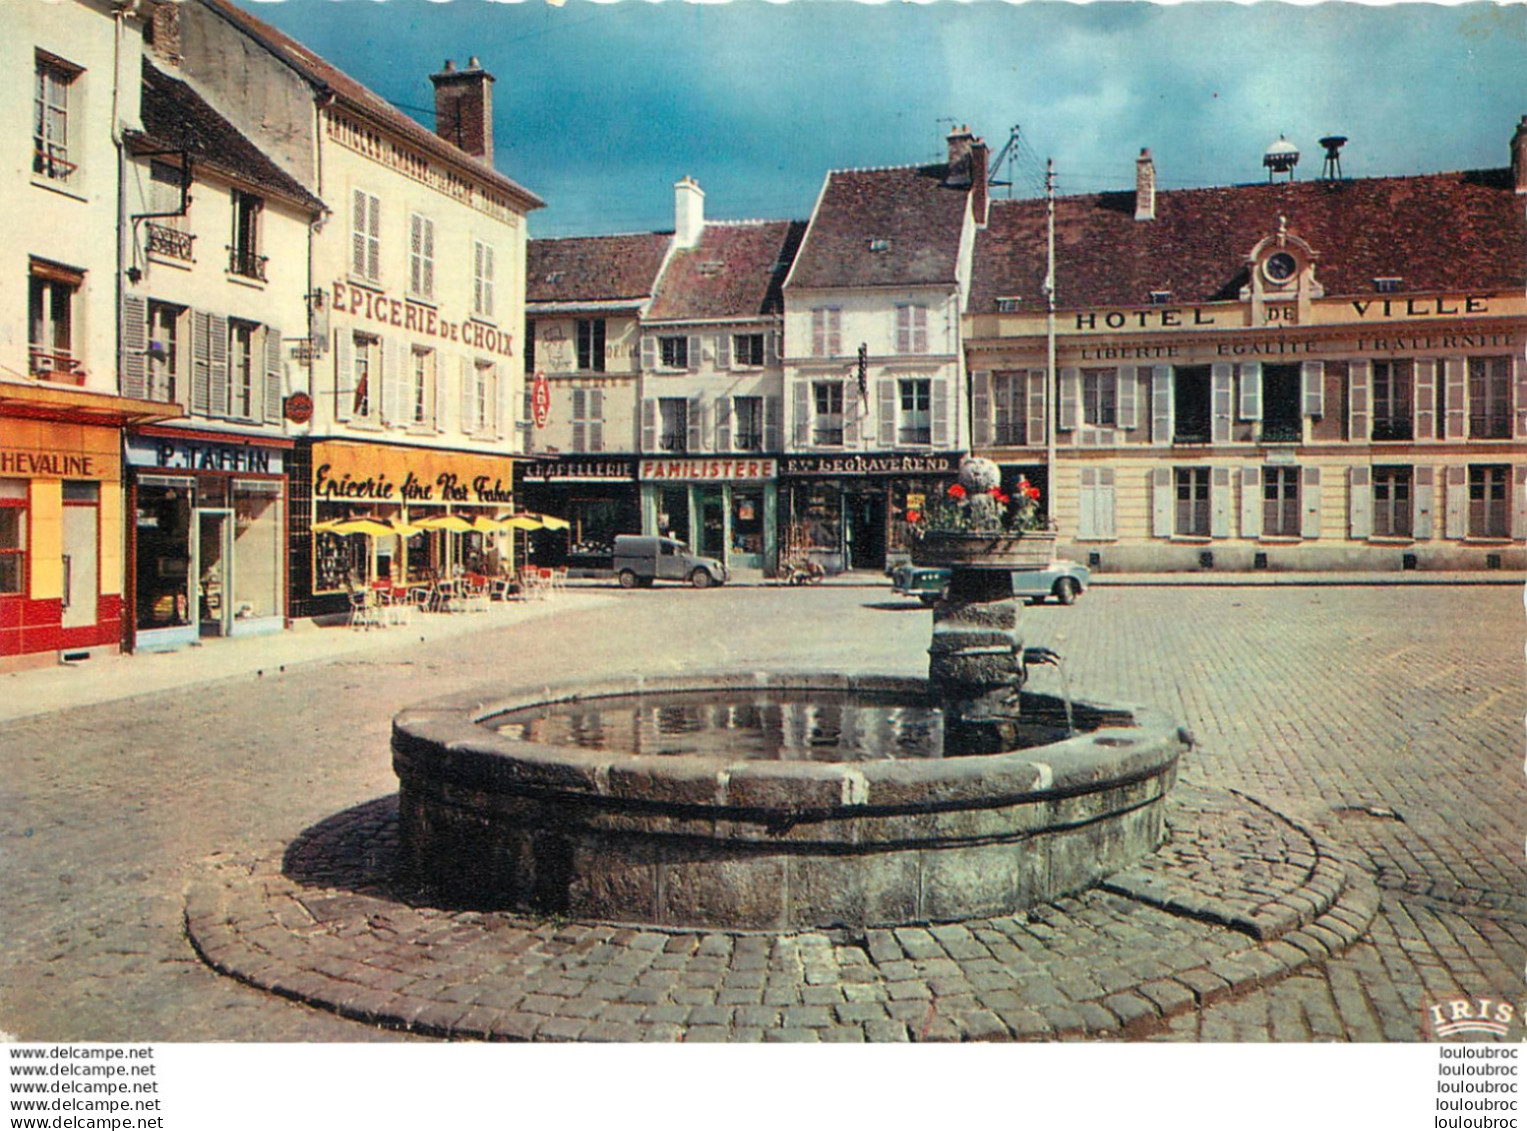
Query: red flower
1030,491
996,493
914,516
956,491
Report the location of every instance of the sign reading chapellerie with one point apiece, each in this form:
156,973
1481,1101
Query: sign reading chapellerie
353,473
419,318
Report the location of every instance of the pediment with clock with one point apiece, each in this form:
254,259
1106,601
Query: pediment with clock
1281,279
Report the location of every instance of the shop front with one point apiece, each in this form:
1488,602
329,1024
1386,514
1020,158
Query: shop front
598,497
441,505
725,509
848,512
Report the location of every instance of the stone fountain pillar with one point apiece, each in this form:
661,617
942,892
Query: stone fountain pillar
975,661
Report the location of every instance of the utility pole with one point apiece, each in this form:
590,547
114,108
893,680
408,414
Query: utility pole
1052,391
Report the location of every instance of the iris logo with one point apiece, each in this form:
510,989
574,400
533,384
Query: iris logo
1458,1016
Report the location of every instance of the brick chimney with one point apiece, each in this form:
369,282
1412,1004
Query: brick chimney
1519,155
163,32
1145,186
688,213
464,108
979,190
961,141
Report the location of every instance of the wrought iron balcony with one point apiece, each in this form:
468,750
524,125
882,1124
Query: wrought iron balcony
171,243
244,262
55,365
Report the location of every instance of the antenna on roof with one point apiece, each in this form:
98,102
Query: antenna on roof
1331,171
1009,154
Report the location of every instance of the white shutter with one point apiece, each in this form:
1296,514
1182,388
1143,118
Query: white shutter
500,401
1314,378
649,353
134,367
692,352
723,350
695,440
596,420
374,238
1519,502
1086,524
1425,407
1251,390
919,329
1070,397
853,413
218,339
1161,404
1103,513
1456,374
723,424
1457,501
649,424
1360,502
886,390
980,424
801,402
1519,385
1422,524
903,329
580,425
390,388
487,281
1251,502
772,407
1126,384
1219,502
429,259
468,396
777,345
1163,502
1309,500
1359,401
1222,380
201,363
940,430
344,375
1038,425
358,209
275,375
437,365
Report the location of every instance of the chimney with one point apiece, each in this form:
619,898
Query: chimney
961,141
979,192
1145,186
1519,155
464,108
688,213
163,33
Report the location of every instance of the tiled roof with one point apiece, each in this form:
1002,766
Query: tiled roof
324,74
1440,232
883,227
734,271
594,268
174,115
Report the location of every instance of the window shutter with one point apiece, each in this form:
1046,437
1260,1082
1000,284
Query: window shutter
819,332
1251,390
1161,404
374,240
1455,376
429,258
500,400
695,441
390,388
1103,520
772,407
723,351
853,413
487,281
1070,397
903,329
1219,502
649,353
358,210
1519,502
468,395
980,409
580,426
1086,519
723,424
919,329
776,345
1360,501
834,331
440,378
692,352
1037,426
1309,499
1425,503
1127,380
886,390
275,376
801,405
596,420
1519,384
218,326
1425,407
1359,404
1163,502
1222,381
416,253
649,424
1457,500
344,375
134,347
1314,374
940,430
1251,502
201,363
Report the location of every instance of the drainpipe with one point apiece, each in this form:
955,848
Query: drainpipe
1052,391
127,634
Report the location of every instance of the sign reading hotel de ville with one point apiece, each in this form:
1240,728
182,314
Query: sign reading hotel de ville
419,318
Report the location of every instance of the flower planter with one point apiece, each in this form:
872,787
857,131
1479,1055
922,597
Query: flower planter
1029,549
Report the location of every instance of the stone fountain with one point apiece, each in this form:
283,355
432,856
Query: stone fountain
790,800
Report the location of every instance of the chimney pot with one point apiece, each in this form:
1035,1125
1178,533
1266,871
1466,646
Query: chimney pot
464,109
688,212
1145,186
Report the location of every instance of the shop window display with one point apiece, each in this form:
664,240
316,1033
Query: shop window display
164,553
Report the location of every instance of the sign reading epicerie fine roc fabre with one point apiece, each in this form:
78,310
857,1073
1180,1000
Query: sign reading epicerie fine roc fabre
356,473
419,318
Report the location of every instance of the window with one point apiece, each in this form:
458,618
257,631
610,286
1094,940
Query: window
50,120
1487,501
915,424
747,350
421,256
748,424
911,328
674,417
13,536
1391,502
50,310
164,351
365,236
591,344
674,352
1282,404
244,256
484,392
366,348
1190,401
826,331
827,427
588,420
1009,414
241,370
166,233
1280,501
482,279
1392,414
422,382
1192,501
1099,397
1490,398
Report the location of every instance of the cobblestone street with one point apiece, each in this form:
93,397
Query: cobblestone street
1366,732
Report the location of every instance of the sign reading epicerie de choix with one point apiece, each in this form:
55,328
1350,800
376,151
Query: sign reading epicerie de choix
419,318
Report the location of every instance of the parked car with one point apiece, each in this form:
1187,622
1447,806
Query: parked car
641,559
1063,580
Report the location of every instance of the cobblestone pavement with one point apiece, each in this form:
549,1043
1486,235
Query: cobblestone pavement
1359,747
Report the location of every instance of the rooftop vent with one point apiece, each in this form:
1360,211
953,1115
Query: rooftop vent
1160,298
1008,305
1281,157
1331,171
1387,284
880,245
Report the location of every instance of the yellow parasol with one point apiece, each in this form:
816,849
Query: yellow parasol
368,526
451,522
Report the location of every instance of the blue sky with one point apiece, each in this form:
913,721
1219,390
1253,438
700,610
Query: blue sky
599,108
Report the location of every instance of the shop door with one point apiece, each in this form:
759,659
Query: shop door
712,526
81,564
864,530
214,560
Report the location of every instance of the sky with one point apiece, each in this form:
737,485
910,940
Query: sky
600,107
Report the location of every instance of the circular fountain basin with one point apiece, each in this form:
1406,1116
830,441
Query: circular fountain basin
769,801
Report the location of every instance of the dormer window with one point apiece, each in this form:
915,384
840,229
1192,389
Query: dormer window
1008,305
1160,298
880,245
1387,284
553,277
